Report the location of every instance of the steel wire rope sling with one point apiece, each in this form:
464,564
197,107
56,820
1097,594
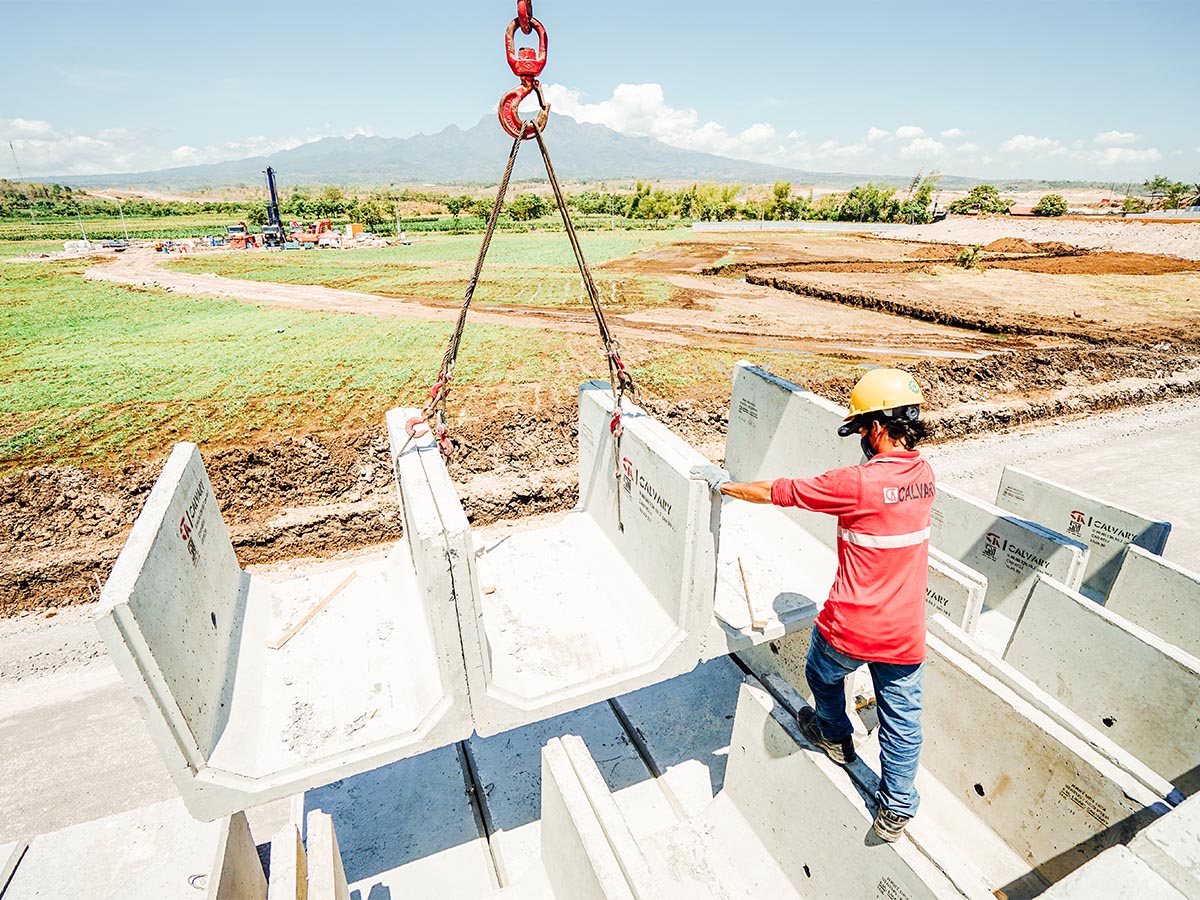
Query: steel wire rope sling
527,64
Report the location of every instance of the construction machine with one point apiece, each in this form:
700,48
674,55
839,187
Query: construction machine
239,237
273,232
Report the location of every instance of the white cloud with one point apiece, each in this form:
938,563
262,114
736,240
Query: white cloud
641,110
922,148
909,132
1114,138
44,149
876,134
967,148
1028,143
1115,155
952,133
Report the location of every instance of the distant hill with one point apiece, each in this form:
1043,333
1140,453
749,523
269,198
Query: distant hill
581,153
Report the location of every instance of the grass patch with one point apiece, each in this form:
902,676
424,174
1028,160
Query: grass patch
99,374
526,270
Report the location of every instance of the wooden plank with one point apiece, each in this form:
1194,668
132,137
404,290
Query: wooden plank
308,616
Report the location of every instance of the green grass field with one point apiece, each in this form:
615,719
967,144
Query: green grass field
99,375
524,270
149,228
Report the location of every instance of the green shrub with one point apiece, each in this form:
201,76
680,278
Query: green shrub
1051,205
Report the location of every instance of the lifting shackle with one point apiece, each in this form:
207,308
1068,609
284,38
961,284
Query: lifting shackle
527,64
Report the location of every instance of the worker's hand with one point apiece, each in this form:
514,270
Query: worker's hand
714,475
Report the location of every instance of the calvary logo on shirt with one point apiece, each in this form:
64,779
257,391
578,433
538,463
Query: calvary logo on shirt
916,491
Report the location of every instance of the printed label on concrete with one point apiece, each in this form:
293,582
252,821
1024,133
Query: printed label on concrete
954,590
1105,527
1159,596
1006,550
1105,669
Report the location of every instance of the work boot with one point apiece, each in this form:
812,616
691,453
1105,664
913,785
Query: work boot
841,752
890,825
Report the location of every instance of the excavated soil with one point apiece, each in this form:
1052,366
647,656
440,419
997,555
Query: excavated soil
319,494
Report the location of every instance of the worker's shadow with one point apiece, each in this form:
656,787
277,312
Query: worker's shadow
378,892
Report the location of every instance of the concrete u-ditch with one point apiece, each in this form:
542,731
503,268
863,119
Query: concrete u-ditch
483,650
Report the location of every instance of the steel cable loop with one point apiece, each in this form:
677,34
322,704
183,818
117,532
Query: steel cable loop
435,407
620,381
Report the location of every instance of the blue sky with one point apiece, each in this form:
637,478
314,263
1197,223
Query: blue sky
1088,89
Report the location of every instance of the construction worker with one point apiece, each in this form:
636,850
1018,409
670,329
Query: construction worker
875,613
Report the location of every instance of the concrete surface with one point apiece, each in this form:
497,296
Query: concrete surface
1143,691
409,829
1048,795
615,596
788,823
1098,738
1106,528
1007,550
10,856
240,720
1116,874
684,727
326,876
954,590
1160,596
157,851
1142,458
289,866
1171,846
508,769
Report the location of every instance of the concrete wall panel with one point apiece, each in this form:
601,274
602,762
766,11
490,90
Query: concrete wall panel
289,866
954,590
587,850
1160,596
157,851
10,858
1142,691
778,429
774,776
1051,797
1105,527
237,872
326,876
1007,550
1171,846
1116,874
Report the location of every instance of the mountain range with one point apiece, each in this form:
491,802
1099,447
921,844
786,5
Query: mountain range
476,156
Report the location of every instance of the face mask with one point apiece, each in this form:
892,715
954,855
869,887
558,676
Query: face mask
867,449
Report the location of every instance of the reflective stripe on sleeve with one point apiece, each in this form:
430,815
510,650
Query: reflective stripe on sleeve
883,541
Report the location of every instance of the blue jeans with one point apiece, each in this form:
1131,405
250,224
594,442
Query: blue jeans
898,699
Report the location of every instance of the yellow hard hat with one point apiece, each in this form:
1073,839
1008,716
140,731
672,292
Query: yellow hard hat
883,390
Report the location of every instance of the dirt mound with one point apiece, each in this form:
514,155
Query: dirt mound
1010,245
1096,263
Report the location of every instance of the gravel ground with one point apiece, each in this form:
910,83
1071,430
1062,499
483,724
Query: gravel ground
1182,240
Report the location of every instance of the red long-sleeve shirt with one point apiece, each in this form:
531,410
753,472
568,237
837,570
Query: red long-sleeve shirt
876,608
